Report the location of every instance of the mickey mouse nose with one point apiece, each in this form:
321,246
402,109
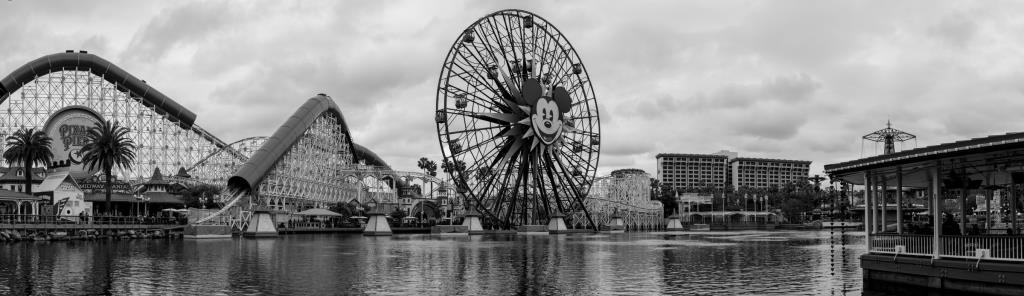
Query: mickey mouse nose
547,124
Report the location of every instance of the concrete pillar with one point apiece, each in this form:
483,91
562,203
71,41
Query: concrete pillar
472,221
936,209
899,200
674,224
261,224
556,225
377,224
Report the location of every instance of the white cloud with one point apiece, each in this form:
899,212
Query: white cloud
789,79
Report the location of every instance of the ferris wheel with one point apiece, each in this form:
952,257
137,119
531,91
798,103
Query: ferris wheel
518,120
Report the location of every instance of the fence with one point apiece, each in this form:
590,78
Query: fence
91,220
1003,248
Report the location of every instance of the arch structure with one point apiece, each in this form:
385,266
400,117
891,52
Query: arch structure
164,132
217,166
625,193
309,162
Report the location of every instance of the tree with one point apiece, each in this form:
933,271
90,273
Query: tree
397,215
423,163
432,168
201,195
667,197
28,146
107,145
345,209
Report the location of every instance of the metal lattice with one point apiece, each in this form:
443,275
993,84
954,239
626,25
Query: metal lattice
516,106
216,167
626,195
160,142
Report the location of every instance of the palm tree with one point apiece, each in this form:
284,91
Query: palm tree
432,168
108,145
28,146
423,163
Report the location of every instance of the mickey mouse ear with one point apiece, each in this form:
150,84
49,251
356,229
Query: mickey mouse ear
562,98
531,91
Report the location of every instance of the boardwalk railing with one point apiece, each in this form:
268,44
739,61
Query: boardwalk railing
907,244
1007,248
1002,248
92,220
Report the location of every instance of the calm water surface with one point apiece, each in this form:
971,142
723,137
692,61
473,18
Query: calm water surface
720,263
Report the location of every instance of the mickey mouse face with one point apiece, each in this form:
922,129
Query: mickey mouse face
546,120
549,107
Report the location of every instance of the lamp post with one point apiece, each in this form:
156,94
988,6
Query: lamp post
146,200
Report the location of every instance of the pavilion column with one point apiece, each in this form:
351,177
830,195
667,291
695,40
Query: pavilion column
963,201
936,213
884,201
988,202
1012,194
869,207
899,200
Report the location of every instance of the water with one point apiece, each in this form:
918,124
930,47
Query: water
721,263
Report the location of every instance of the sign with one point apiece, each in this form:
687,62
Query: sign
68,129
100,187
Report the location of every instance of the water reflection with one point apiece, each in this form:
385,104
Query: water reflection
757,262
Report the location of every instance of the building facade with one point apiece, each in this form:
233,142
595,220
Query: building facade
726,169
693,170
765,173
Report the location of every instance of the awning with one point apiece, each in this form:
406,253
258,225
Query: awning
7,195
318,212
154,198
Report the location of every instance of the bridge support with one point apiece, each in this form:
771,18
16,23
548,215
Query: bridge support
615,225
557,224
377,225
207,231
472,222
261,224
674,224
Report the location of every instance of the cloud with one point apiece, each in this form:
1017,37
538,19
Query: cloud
783,80
179,26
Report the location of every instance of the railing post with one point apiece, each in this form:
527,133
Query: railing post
936,214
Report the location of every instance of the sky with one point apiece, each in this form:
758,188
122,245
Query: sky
772,79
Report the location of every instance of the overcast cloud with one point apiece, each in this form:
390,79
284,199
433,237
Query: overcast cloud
779,79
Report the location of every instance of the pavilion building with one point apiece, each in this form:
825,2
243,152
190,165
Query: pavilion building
950,247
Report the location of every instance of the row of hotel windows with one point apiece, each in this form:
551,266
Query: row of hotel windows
774,164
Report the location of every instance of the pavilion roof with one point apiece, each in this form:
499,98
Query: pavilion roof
940,151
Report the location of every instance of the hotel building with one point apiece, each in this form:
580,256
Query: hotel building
726,168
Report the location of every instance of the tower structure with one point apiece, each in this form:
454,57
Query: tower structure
889,136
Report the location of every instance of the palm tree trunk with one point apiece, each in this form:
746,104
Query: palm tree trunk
107,186
28,173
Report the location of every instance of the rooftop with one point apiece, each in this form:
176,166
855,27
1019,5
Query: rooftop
11,174
660,155
771,160
945,150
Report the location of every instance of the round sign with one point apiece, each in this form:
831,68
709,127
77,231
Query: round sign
68,129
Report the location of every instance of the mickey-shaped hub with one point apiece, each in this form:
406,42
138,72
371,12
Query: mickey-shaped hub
548,107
